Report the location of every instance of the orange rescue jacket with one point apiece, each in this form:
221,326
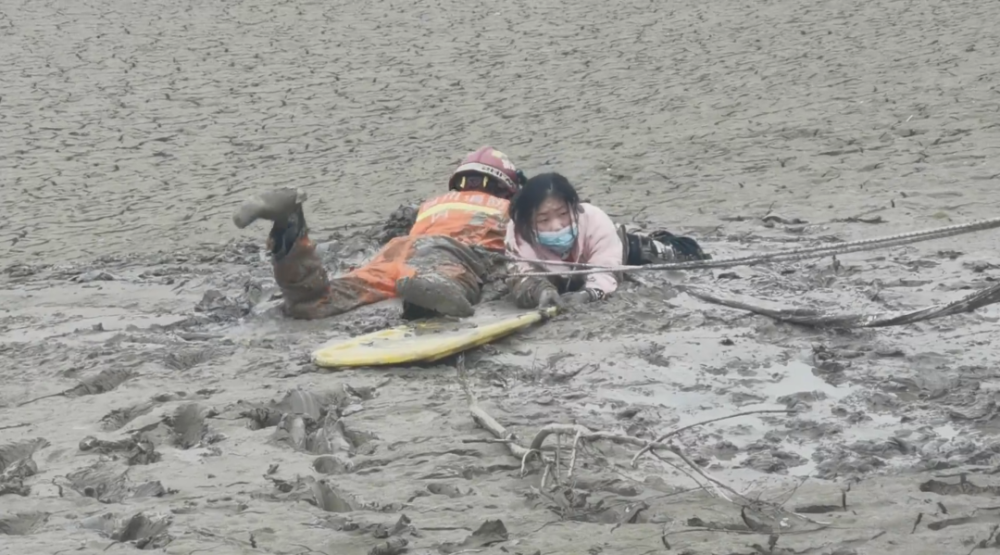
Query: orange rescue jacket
470,217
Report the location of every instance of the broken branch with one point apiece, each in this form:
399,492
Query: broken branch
657,442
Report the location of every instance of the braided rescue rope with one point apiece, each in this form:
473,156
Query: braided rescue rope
786,255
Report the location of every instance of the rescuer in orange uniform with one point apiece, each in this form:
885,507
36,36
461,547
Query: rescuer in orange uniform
439,266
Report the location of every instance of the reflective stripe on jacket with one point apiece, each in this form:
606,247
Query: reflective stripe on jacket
472,218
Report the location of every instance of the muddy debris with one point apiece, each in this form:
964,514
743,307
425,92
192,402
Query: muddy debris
320,493
402,526
773,461
293,431
185,428
395,546
140,531
308,404
963,487
17,464
135,450
818,509
838,462
329,499
107,482
221,308
489,533
104,381
13,453
335,436
94,275
314,422
448,490
189,427
22,524
119,418
186,359
144,532
343,522
333,464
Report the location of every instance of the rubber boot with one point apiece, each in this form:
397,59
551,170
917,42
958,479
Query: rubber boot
276,205
298,270
641,249
414,312
436,293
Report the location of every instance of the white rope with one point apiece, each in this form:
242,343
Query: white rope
793,254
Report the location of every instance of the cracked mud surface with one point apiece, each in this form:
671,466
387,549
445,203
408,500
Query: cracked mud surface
153,399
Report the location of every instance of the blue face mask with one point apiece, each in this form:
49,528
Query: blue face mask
559,241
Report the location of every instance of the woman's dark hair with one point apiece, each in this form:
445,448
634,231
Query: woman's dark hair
532,195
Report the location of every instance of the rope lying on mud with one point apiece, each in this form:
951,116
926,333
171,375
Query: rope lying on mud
786,255
818,318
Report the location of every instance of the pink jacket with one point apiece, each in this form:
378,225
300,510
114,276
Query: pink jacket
597,242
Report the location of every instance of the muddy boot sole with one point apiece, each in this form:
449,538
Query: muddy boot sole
277,206
435,294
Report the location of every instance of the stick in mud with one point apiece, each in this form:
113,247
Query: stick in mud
817,318
104,381
582,433
657,443
482,418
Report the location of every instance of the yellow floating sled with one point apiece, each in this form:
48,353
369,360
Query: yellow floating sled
425,341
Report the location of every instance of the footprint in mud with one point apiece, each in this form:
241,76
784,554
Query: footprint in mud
104,381
16,464
108,483
138,530
22,524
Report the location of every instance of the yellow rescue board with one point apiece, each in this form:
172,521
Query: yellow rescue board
425,341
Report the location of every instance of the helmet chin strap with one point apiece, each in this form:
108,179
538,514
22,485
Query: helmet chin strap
487,184
484,184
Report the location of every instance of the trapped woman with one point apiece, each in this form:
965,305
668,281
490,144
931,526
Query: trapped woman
548,225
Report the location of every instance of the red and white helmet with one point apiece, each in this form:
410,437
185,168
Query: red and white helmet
488,162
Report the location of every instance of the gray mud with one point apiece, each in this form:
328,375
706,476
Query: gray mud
175,409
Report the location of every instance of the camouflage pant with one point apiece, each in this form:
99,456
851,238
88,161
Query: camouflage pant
431,272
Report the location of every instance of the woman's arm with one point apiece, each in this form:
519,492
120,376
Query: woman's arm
527,291
602,247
